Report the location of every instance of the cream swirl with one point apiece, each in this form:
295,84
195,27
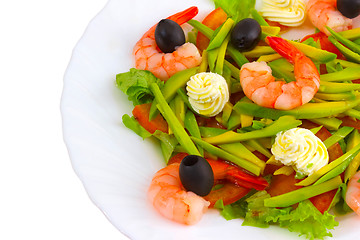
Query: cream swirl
300,148
286,12
208,93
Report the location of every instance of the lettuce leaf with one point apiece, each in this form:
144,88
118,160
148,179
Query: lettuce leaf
305,219
237,10
167,142
136,84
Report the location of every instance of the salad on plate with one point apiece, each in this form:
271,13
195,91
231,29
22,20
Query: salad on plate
250,123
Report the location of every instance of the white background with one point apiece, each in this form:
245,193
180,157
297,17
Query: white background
40,195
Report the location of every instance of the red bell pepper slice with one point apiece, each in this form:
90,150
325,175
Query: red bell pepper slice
141,114
213,20
324,43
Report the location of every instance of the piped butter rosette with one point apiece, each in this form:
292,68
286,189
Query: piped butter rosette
208,93
300,148
286,12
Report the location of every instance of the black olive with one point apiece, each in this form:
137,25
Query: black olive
196,175
168,35
349,8
246,34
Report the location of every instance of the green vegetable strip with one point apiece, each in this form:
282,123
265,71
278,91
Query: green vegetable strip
220,37
329,123
347,74
282,124
185,98
352,46
258,17
336,96
235,72
336,171
258,51
346,63
251,167
211,131
208,32
290,198
204,62
327,168
350,55
179,132
353,113
258,147
239,150
337,136
178,80
351,34
354,139
212,57
221,56
334,87
239,58
306,111
192,126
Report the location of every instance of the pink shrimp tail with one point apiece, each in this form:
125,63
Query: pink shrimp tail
284,48
184,16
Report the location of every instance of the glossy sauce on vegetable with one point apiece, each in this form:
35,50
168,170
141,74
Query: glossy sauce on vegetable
169,35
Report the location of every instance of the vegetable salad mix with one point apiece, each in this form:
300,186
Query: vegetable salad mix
259,127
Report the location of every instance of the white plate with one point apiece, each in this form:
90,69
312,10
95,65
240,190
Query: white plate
114,164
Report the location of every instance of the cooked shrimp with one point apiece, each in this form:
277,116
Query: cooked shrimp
352,196
163,65
172,201
323,13
260,86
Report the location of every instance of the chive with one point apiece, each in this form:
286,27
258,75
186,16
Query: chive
179,132
290,198
251,167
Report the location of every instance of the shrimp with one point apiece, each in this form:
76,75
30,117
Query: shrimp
323,13
260,86
352,196
171,200
163,65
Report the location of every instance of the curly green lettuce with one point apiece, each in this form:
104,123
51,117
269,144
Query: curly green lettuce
305,219
136,85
